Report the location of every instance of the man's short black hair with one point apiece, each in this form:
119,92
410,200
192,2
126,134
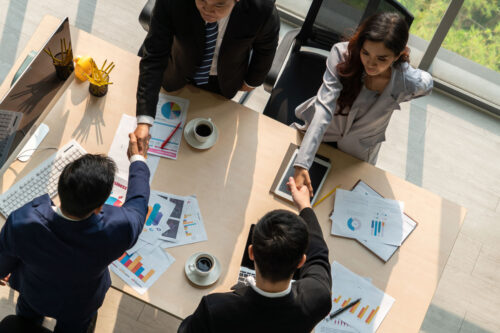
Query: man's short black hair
85,184
279,240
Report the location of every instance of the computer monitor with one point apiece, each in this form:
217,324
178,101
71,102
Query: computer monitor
30,95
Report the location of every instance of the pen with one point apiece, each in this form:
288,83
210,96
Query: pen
171,135
326,196
339,311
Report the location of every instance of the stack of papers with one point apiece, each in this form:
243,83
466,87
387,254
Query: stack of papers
377,223
364,317
171,221
170,111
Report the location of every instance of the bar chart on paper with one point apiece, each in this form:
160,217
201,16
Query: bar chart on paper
367,315
141,270
135,266
363,313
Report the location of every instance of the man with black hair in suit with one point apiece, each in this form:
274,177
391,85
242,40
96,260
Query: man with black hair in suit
284,245
57,257
218,45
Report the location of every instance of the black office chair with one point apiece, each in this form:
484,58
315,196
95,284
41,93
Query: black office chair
16,324
326,23
145,15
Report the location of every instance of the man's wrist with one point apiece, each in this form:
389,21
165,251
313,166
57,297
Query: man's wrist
146,120
137,157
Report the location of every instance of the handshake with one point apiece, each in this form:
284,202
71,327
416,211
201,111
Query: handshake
137,148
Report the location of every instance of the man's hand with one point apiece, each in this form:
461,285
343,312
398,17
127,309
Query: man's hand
301,178
4,281
142,135
301,197
133,147
244,87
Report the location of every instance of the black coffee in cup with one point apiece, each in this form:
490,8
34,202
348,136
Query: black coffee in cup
204,264
203,130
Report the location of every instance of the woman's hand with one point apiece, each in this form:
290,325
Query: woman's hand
302,178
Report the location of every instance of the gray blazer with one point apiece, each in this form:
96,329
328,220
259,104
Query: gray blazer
361,132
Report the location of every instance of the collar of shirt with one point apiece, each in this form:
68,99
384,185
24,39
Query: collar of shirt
251,282
58,211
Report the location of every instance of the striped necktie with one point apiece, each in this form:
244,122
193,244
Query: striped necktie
203,71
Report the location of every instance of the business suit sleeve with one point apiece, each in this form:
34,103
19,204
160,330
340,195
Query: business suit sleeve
314,276
136,201
323,108
156,50
8,258
263,50
198,322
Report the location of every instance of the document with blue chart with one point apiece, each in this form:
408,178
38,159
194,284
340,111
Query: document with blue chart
365,217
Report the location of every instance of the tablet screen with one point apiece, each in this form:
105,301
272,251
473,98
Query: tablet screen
317,172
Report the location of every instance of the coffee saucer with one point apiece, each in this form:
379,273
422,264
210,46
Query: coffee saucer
202,281
191,140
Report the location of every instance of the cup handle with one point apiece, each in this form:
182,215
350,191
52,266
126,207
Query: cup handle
191,267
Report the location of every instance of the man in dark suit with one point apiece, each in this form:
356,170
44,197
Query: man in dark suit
58,257
219,45
282,242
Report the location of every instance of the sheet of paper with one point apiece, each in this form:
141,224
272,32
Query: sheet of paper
140,270
119,147
360,216
384,251
190,230
333,326
160,208
170,111
118,192
368,314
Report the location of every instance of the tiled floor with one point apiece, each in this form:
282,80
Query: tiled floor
435,142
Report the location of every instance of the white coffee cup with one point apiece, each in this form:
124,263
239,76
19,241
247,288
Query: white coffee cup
203,129
203,264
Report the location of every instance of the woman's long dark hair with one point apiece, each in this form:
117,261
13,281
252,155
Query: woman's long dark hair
389,28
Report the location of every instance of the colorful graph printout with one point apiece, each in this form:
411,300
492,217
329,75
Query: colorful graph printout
118,192
360,216
141,269
190,228
383,251
160,208
170,111
367,315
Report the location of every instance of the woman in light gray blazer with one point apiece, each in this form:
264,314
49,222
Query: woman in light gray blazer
365,80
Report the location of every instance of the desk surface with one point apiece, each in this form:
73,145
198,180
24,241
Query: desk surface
232,182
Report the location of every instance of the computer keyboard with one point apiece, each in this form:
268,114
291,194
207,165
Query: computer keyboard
43,179
9,122
244,273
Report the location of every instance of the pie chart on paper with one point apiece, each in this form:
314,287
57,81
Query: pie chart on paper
171,110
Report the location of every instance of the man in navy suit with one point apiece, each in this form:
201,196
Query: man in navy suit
58,257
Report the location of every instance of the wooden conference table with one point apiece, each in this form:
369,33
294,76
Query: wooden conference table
232,182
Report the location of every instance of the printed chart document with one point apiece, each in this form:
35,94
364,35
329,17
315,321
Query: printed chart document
383,251
119,147
364,317
190,230
141,269
333,326
359,216
170,111
118,192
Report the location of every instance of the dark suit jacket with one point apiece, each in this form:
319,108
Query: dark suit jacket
60,266
176,39
244,310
